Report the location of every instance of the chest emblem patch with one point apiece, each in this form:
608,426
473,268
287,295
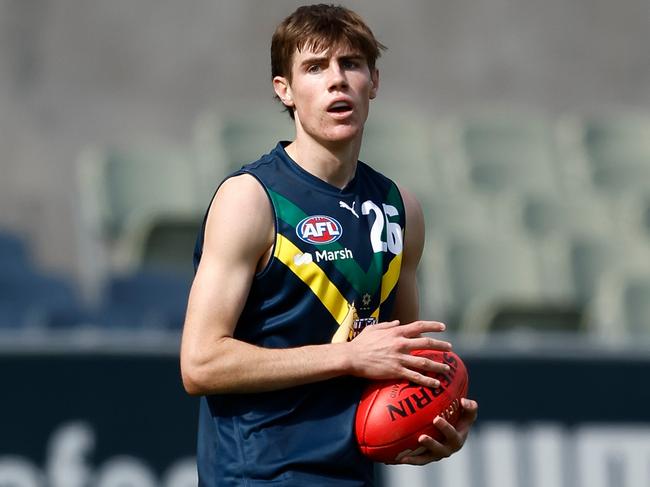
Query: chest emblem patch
319,230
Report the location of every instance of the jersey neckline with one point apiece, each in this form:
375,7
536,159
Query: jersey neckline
313,180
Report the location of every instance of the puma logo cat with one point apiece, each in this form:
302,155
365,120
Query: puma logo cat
343,204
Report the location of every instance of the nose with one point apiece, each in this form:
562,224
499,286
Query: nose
337,78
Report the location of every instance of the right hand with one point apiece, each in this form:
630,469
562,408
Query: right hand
383,351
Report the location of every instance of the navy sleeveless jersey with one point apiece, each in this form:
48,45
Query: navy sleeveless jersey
334,270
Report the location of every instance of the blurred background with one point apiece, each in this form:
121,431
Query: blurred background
522,126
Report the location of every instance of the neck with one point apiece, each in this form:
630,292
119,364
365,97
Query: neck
335,163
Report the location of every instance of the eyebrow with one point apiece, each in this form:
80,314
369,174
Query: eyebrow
353,57
321,59
314,60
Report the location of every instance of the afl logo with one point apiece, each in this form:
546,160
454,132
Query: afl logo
319,229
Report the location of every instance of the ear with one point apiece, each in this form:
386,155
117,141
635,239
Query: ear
374,83
283,90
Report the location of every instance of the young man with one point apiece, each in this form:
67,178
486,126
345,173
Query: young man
306,281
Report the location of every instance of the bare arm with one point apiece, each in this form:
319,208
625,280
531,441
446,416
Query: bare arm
239,234
407,307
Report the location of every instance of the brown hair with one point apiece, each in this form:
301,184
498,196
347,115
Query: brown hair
318,28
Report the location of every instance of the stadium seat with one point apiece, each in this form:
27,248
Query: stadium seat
592,257
403,149
636,304
554,263
449,216
249,134
145,299
631,213
11,318
433,283
487,271
31,299
121,192
141,184
618,179
465,212
168,244
14,256
535,316
499,283
621,305
618,149
508,152
208,154
546,215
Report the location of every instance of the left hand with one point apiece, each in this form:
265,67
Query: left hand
454,438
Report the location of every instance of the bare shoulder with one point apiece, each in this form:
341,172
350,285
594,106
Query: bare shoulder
240,215
413,209
243,191
414,231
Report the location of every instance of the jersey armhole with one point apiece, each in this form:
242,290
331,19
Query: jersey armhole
401,199
261,273
198,250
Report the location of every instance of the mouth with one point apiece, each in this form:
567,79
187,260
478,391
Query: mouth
340,107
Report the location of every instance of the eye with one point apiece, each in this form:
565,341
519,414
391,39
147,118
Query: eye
350,63
313,68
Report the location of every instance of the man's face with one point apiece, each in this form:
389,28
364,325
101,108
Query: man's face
330,93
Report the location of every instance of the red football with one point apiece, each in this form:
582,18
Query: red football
393,414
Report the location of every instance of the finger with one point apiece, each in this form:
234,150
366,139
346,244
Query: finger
420,379
434,447
429,451
453,439
418,328
419,459
428,343
421,363
468,415
410,453
384,325
437,450
469,405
